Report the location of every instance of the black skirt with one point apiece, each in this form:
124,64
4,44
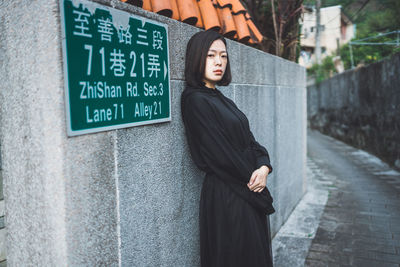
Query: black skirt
232,232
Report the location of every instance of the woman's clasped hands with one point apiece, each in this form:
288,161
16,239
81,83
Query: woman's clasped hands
258,179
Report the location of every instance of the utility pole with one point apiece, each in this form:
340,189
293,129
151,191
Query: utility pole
318,33
351,56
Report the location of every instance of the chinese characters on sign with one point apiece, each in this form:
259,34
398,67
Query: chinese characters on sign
116,68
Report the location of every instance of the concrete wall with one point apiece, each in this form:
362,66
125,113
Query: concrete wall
361,107
126,197
3,230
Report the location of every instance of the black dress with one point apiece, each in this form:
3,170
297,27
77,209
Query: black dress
234,227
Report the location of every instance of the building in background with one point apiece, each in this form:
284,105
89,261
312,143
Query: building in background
336,30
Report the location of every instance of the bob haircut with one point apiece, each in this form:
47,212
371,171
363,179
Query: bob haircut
196,56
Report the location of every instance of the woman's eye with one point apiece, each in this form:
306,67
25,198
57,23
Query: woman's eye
210,55
224,56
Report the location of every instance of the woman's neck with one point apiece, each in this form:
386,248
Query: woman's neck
209,85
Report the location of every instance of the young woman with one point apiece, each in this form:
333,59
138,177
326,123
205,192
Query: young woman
235,203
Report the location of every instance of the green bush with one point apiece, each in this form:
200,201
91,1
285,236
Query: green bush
323,71
368,54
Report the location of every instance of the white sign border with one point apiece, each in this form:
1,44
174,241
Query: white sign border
72,133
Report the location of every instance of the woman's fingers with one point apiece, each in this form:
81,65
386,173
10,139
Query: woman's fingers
253,178
258,186
255,184
259,189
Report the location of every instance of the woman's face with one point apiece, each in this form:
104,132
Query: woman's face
216,61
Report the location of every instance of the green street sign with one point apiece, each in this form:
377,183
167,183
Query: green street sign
116,68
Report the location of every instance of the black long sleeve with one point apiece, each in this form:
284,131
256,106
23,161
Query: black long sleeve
261,154
217,151
222,144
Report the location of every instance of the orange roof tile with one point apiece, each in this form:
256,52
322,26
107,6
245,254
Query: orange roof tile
209,15
175,10
229,17
147,5
162,7
255,34
224,3
199,23
187,11
228,27
134,2
237,7
241,27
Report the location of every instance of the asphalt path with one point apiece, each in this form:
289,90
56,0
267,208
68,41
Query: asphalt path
350,215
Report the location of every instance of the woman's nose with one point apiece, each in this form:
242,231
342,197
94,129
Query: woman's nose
218,60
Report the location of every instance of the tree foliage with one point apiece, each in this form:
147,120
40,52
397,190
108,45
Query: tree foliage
385,19
278,21
282,37
323,71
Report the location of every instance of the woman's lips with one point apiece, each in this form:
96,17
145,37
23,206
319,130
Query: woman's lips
218,72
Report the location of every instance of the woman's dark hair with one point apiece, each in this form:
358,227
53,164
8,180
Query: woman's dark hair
196,55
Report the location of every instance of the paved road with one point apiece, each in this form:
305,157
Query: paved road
350,215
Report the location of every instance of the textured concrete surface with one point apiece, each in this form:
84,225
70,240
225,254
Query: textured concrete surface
292,243
60,192
159,194
290,140
91,200
32,133
127,197
3,233
3,248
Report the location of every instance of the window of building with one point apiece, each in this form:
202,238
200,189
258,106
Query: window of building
321,27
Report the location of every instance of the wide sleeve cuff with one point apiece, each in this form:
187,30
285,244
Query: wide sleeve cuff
264,160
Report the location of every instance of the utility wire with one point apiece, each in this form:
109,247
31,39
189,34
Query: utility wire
358,42
361,8
352,17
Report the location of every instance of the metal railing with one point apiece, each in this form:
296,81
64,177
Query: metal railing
361,42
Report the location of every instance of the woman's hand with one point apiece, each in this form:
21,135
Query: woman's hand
258,179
